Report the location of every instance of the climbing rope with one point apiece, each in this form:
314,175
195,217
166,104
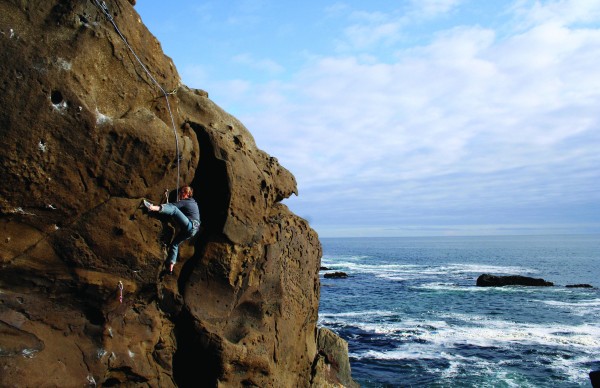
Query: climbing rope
120,291
104,8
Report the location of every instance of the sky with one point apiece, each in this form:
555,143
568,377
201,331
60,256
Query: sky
409,117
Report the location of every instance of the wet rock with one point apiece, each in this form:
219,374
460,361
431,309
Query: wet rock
487,280
595,378
336,275
579,286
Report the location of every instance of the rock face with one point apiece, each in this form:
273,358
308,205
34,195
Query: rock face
487,280
84,136
332,364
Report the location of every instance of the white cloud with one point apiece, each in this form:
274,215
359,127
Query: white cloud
468,121
361,36
472,126
434,7
534,12
267,65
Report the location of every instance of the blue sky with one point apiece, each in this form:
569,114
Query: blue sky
409,117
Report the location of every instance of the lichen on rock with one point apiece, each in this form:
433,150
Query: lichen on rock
84,136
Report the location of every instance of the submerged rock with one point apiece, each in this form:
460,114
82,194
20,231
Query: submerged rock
336,275
487,280
84,136
579,286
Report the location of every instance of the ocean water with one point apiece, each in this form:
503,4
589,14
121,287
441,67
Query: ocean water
413,317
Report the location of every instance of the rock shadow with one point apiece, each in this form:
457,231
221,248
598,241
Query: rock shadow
196,358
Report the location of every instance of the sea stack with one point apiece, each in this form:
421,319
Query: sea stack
85,135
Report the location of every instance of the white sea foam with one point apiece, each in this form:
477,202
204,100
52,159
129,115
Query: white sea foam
327,260
413,271
483,331
580,308
393,277
580,303
575,368
455,287
436,286
452,329
487,268
366,313
418,352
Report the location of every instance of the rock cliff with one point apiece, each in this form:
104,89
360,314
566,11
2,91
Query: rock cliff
85,134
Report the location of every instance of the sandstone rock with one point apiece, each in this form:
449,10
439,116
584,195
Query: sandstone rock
487,280
84,136
332,362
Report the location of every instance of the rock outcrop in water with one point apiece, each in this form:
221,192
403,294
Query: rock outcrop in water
84,136
487,280
336,275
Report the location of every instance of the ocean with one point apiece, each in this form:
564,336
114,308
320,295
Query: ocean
413,316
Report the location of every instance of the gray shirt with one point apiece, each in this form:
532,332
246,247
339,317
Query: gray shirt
189,207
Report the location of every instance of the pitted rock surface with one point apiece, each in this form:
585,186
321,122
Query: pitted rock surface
85,135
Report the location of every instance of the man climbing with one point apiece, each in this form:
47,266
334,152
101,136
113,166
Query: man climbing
184,214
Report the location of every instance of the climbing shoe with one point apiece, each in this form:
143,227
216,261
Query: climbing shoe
147,204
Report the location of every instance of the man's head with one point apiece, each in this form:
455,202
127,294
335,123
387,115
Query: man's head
186,192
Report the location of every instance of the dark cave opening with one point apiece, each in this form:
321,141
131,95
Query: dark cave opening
195,363
196,360
210,184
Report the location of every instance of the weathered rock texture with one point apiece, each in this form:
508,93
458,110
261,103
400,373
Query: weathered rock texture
84,136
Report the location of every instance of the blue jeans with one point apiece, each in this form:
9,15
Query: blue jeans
187,229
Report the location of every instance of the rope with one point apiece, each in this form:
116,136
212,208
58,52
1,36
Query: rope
110,18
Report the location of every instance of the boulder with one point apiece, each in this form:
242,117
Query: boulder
85,135
487,280
332,362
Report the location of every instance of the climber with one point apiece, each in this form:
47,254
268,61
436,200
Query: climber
184,214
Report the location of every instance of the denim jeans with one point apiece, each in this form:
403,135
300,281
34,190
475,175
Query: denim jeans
187,229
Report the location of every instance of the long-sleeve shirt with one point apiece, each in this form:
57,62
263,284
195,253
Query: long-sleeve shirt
189,207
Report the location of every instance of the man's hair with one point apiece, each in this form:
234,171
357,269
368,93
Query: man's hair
187,190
